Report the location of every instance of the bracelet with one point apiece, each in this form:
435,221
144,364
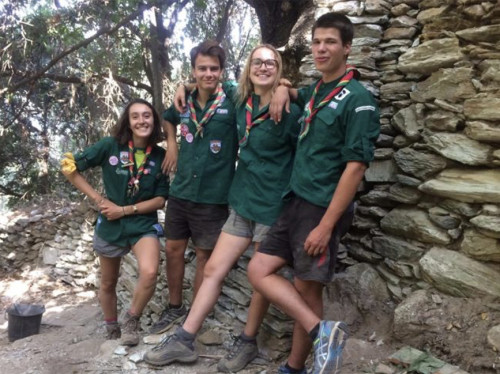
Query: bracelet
123,210
135,208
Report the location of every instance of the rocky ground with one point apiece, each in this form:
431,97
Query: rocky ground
72,338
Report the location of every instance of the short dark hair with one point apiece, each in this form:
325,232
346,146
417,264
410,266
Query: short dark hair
208,48
122,132
336,21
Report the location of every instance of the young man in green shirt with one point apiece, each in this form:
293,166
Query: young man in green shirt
339,127
197,206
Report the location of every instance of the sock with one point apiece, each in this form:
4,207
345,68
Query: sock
173,306
185,337
314,332
248,339
111,321
293,370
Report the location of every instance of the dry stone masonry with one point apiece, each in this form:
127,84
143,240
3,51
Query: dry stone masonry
429,212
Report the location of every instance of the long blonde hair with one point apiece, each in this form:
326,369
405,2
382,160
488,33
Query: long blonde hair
245,85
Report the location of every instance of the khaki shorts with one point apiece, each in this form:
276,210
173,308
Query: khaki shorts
239,226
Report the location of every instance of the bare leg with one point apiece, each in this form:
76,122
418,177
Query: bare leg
202,256
312,293
110,270
226,252
174,250
256,311
279,291
147,252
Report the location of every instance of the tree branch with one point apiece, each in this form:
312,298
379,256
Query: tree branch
224,21
83,43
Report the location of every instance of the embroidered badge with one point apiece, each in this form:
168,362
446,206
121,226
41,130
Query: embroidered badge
189,137
113,160
342,94
124,157
364,107
185,114
222,111
151,162
184,129
333,105
215,146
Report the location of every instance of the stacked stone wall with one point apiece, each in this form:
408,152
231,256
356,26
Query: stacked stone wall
429,214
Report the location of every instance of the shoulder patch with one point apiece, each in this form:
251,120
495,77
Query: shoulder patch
364,107
342,94
333,105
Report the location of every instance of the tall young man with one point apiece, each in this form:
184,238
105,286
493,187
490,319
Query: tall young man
339,127
197,206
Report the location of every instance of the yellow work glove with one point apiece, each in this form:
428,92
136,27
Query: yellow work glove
68,165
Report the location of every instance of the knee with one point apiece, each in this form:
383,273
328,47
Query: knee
148,276
174,251
211,271
108,285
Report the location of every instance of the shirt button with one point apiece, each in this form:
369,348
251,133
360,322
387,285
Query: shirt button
195,176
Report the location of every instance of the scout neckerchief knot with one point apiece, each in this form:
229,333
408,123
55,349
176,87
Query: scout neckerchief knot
311,109
210,112
261,118
133,183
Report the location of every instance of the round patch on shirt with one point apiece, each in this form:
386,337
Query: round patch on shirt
184,129
113,160
189,137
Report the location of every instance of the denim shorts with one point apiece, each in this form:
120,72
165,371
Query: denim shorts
201,222
239,226
287,237
103,248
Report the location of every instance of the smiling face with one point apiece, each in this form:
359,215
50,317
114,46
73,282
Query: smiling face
263,69
141,123
329,53
207,72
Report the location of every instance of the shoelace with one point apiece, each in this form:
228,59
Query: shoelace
237,346
163,342
131,324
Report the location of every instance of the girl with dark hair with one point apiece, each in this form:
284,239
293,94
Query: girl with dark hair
135,189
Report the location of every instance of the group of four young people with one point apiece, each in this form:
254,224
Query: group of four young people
291,195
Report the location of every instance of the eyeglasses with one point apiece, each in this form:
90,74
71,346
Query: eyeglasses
270,64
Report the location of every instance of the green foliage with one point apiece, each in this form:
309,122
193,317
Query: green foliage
61,92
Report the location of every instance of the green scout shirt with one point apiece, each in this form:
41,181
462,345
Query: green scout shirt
205,167
343,130
111,156
264,165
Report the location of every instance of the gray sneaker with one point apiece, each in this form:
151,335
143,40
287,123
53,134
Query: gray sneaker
170,350
113,331
328,347
168,318
239,356
130,330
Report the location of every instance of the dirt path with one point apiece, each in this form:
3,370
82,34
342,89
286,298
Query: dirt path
72,338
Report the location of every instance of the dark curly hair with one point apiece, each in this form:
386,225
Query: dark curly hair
122,132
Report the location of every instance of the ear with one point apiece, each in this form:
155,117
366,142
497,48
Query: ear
192,72
347,49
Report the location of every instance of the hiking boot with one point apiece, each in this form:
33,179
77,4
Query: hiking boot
168,318
241,353
284,370
113,331
170,350
130,330
328,347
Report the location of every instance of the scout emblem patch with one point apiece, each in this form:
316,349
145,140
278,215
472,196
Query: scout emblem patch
113,160
124,157
215,146
189,137
184,129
